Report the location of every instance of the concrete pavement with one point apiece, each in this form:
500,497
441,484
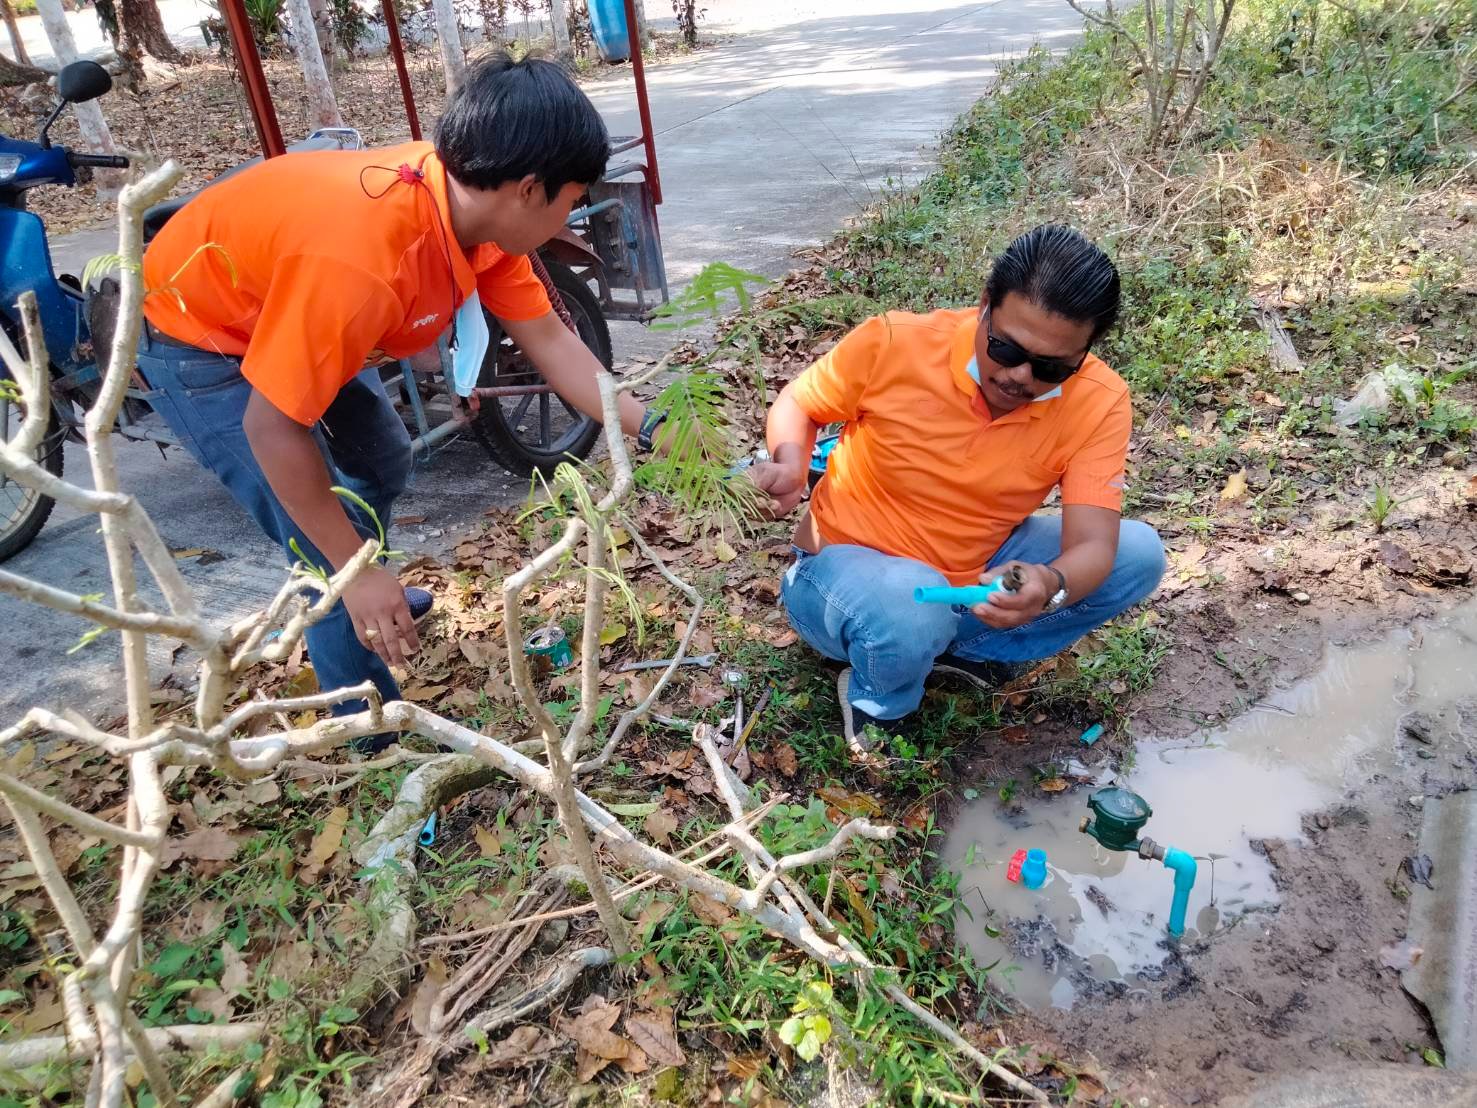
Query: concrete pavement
766,143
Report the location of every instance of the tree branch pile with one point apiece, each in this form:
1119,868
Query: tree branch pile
101,1026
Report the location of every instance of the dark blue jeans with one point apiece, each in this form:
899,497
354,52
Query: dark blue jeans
855,604
202,396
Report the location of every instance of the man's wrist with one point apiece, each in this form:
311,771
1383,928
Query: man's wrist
646,433
1055,582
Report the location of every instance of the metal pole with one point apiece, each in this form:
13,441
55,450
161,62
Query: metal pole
643,105
392,25
249,62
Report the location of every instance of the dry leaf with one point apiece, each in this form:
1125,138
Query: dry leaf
1235,487
487,842
784,759
724,552
598,1044
653,1033
526,1045
1053,785
849,804
612,633
859,906
236,975
747,1066
325,844
660,825
426,993
209,844
634,1060
710,911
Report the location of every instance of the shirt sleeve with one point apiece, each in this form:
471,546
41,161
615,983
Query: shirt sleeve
1095,473
319,321
831,390
511,290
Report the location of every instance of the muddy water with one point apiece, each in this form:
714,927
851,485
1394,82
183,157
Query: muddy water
1097,926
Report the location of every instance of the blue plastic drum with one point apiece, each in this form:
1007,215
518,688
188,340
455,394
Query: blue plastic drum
608,28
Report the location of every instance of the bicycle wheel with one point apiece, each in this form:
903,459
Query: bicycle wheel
537,431
24,511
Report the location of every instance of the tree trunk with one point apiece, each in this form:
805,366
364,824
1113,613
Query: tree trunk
322,106
95,134
143,30
643,32
13,73
449,34
561,30
323,22
17,42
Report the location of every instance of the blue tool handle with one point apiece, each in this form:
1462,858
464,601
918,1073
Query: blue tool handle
968,595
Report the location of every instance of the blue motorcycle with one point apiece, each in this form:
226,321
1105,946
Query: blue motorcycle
25,266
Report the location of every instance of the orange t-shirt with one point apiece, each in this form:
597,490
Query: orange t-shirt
318,259
922,471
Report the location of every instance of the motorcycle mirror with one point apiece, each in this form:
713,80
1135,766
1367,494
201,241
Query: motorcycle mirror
82,81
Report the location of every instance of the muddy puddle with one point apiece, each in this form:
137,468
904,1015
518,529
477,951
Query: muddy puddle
1097,925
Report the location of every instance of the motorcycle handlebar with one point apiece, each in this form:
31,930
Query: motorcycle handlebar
97,161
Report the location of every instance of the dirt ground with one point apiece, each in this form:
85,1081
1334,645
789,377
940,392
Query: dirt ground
1300,988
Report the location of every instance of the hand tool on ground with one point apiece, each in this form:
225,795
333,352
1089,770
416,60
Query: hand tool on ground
691,660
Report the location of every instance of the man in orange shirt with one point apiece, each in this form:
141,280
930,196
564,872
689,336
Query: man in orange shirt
959,424
273,286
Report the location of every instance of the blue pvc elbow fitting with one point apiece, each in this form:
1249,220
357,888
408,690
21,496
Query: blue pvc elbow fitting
1184,868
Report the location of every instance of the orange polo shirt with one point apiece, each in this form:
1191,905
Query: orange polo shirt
922,471
320,259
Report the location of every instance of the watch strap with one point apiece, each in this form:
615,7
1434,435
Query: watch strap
653,419
1058,598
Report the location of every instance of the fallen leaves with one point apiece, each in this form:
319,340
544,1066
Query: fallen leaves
598,1045
427,992
710,911
325,845
660,825
654,1033
208,844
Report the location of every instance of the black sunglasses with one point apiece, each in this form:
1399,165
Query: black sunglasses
1008,355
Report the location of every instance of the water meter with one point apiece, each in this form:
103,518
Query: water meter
1117,818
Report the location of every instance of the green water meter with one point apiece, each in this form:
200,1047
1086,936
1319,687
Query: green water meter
1117,818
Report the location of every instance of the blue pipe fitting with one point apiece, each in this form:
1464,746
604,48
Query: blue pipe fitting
1183,866
1033,870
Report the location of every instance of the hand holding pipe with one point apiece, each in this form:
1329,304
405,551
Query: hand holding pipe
970,595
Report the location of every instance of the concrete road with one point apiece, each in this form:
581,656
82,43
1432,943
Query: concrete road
766,143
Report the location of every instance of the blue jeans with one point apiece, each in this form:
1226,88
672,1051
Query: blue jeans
202,396
855,604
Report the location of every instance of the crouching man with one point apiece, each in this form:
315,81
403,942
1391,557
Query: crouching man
959,424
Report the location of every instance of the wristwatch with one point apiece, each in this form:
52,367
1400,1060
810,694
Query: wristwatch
1058,598
649,423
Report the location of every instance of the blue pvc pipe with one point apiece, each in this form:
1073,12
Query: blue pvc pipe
967,595
1183,866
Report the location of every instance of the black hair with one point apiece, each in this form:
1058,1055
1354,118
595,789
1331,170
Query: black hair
511,119
1059,270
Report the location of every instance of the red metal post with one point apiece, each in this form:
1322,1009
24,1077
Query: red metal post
643,105
249,62
392,24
